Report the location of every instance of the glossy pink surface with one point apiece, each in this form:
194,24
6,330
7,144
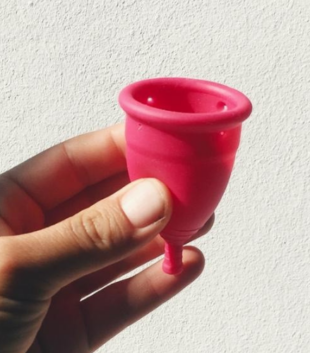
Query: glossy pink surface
184,132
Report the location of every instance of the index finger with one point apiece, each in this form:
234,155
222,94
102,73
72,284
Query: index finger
64,170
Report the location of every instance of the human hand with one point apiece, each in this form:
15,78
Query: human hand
71,223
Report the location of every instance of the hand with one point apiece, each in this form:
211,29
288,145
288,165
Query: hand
70,223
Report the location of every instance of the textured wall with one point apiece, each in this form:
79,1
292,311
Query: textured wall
62,66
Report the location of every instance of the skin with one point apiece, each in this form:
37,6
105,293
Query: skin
50,260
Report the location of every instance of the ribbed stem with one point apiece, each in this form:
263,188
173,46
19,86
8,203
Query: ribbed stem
173,259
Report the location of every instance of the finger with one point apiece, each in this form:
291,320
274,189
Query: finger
5,229
86,198
112,229
111,310
18,212
91,283
64,170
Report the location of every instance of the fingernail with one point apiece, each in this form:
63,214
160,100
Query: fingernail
144,204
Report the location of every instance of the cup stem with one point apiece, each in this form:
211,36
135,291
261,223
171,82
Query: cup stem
173,259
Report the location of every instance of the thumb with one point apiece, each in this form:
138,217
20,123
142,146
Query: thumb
92,239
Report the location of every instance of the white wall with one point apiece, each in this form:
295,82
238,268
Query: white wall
62,66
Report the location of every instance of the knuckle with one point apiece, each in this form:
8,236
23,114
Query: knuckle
102,229
8,263
11,272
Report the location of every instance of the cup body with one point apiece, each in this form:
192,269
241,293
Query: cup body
195,166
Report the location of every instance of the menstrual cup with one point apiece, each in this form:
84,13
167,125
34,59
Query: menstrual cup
184,132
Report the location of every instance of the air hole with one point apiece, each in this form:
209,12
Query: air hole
150,100
222,106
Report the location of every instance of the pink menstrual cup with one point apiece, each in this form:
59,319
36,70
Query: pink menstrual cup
184,132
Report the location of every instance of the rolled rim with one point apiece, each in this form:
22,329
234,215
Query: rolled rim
240,110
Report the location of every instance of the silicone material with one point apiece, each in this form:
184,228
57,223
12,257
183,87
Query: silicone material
184,132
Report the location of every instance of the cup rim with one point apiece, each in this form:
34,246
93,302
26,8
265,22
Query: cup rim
233,116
